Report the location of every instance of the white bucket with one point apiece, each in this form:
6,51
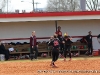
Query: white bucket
2,57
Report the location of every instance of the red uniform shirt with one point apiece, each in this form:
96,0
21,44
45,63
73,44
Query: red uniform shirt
58,32
33,41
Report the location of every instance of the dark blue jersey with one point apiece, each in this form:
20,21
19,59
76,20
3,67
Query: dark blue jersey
55,43
89,38
61,38
67,40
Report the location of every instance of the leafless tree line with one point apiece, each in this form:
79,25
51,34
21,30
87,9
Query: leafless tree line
93,5
2,4
72,5
64,5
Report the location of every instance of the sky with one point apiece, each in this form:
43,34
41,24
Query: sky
25,4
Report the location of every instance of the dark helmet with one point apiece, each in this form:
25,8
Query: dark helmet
89,32
59,27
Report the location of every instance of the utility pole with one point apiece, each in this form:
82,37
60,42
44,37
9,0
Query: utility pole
7,6
83,5
33,4
59,5
56,5
36,5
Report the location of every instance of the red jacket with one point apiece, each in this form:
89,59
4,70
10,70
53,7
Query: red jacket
33,41
58,32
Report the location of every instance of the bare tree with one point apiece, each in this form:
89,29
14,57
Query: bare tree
2,4
5,6
92,5
63,5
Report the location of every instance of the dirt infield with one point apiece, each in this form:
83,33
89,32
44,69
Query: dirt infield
42,67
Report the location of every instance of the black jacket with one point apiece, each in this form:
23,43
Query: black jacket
68,42
54,44
60,38
89,38
2,49
98,36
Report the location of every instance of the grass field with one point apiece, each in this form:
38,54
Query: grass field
42,67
